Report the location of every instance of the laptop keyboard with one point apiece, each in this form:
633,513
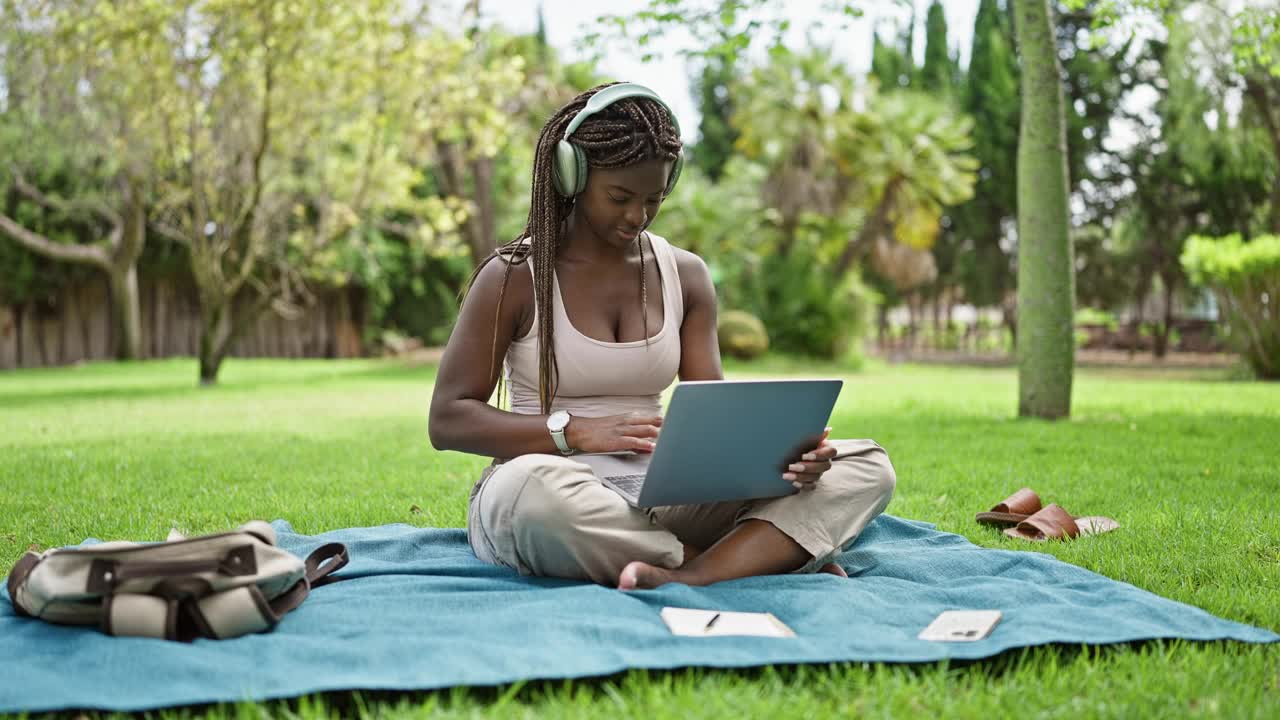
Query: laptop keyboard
628,484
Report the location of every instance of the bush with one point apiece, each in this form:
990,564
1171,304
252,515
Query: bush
788,285
1098,318
742,335
1245,279
806,311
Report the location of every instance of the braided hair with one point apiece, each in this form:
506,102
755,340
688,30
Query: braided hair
626,132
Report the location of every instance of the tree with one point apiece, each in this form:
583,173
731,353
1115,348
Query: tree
1252,54
1096,76
66,92
512,78
890,63
785,120
895,158
117,256
716,133
241,76
293,135
1046,286
991,98
940,77
1190,177
913,161
1256,49
940,72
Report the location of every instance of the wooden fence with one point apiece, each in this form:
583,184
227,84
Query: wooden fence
77,326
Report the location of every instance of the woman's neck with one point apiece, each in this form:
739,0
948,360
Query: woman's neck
580,243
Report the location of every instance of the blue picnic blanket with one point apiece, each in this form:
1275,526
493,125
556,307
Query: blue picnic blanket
419,611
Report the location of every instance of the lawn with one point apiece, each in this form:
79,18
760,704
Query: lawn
1188,463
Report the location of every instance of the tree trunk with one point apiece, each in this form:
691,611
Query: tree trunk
1260,88
948,310
484,237
882,325
1144,285
787,232
123,272
1166,325
209,366
210,357
1009,315
1046,280
914,311
119,259
127,311
238,314
936,309
872,228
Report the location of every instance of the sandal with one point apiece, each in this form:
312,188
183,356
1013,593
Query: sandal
1012,510
1054,523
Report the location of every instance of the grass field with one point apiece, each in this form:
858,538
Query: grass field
1188,463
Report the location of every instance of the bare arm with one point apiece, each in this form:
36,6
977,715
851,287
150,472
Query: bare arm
699,345
461,418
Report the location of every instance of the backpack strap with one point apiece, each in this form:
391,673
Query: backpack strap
335,554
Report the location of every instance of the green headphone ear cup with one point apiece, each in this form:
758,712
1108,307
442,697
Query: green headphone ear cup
676,167
564,171
580,177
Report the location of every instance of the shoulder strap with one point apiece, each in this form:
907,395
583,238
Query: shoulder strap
324,561
672,290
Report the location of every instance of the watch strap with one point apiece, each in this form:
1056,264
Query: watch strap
558,437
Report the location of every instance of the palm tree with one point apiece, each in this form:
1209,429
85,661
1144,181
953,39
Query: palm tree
911,159
833,146
788,115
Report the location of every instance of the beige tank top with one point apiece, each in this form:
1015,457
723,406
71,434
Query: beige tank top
600,378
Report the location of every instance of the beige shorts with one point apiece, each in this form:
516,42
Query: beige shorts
549,515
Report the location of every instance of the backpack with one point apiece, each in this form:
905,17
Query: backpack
217,586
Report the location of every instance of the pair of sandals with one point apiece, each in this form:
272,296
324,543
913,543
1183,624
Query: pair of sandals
1031,521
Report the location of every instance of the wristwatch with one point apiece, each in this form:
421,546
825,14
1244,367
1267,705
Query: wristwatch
556,423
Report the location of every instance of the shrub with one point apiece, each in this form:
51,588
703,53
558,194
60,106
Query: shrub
1245,279
788,284
1096,317
742,335
807,311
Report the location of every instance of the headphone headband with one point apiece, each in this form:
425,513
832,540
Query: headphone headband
613,94
569,166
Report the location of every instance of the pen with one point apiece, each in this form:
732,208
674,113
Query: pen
711,622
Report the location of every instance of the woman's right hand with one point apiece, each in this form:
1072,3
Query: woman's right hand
614,433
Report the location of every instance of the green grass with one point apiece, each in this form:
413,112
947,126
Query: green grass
1188,464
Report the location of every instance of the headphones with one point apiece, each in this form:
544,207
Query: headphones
569,169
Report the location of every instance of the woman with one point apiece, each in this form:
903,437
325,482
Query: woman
592,317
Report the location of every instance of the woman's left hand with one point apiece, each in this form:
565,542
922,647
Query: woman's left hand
805,473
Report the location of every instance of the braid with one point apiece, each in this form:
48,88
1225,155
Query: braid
626,132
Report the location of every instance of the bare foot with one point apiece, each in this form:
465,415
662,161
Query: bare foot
834,569
642,576
690,552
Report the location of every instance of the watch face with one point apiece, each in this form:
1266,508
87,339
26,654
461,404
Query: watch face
558,420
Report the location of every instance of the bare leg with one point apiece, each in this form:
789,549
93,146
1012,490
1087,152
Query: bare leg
754,547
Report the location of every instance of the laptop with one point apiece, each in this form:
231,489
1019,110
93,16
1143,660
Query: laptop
722,440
